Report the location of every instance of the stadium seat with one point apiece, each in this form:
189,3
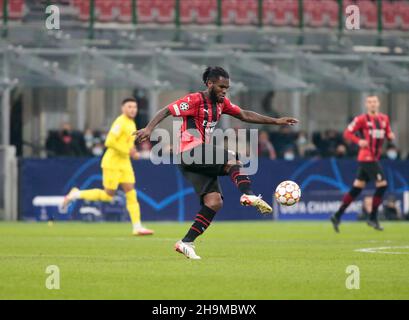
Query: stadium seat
84,8
16,9
389,15
207,11
314,13
105,10
402,10
145,11
229,10
369,13
246,12
274,12
187,11
125,11
291,7
331,12
165,9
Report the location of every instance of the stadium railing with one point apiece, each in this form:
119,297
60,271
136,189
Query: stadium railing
8,183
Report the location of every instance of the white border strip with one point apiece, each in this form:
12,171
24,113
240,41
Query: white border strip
176,108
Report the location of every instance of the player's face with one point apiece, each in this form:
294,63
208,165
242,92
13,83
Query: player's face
218,89
372,104
130,109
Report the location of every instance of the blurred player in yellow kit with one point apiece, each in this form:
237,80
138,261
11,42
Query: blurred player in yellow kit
117,167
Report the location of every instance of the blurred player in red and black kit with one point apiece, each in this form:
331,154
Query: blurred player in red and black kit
372,127
200,112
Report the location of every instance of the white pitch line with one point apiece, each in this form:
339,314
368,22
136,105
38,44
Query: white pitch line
379,250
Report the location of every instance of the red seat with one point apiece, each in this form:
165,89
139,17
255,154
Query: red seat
165,9
402,9
105,10
187,11
16,9
206,11
389,15
246,12
145,11
267,12
331,12
84,10
75,3
369,13
292,12
280,13
125,11
229,8
314,13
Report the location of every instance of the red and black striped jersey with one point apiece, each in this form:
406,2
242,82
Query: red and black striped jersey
374,129
200,115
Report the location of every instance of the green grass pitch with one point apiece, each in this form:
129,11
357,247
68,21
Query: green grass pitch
243,260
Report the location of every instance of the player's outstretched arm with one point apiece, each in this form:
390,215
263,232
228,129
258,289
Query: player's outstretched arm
145,133
254,117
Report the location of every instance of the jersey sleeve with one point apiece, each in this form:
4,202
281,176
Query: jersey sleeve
113,136
116,129
354,127
230,108
186,106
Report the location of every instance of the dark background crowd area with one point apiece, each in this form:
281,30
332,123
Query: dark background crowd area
282,144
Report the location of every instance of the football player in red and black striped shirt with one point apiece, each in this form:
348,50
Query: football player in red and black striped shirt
200,112
369,131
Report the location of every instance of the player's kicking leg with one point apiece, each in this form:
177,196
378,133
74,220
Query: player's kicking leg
88,195
243,183
346,201
107,195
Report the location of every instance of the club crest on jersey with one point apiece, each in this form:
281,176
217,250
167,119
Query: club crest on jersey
184,106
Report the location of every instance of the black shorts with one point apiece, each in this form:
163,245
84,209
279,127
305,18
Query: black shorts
369,171
204,175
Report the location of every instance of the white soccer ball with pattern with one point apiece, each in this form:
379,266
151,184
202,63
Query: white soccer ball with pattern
288,193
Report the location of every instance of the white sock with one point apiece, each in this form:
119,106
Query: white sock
137,226
76,195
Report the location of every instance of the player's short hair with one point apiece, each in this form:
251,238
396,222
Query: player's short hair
372,96
129,99
214,73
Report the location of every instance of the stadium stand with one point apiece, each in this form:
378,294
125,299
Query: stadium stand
369,13
206,11
390,14
166,10
16,9
317,13
106,10
187,12
402,9
125,12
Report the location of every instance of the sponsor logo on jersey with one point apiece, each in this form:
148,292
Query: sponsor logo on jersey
209,126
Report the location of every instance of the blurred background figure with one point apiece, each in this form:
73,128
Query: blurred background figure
265,147
144,149
341,151
66,142
366,208
284,140
392,153
391,209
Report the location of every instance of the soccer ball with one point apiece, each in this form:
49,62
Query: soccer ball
288,193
